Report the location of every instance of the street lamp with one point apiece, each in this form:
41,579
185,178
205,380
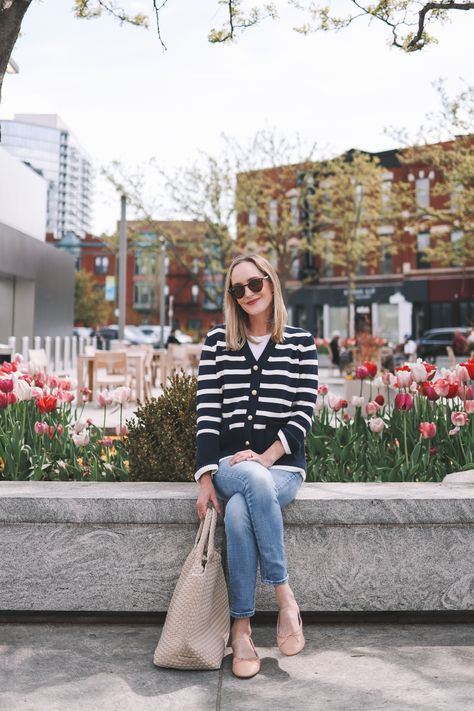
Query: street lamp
162,242
122,301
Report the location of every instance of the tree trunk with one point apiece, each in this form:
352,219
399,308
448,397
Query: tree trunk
11,17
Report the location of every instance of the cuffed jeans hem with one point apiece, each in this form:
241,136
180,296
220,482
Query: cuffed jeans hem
274,582
240,615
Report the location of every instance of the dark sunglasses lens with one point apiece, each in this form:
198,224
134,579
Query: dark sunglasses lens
256,284
238,291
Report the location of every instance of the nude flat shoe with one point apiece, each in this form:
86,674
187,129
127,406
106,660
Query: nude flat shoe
245,660
294,642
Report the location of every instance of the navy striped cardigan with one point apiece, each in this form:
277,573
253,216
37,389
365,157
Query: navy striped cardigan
243,403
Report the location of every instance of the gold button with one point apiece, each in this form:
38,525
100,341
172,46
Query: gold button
254,392
255,367
249,417
247,443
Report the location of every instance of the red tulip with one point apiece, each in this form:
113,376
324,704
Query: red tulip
47,403
8,368
3,400
12,398
453,390
428,391
379,399
403,401
427,429
469,367
430,369
361,372
371,367
6,385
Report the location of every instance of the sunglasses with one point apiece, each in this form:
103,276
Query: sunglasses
255,284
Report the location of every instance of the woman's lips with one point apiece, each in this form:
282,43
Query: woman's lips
249,303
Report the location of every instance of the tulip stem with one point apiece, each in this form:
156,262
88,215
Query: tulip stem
405,437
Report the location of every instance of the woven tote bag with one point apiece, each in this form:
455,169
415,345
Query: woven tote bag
197,624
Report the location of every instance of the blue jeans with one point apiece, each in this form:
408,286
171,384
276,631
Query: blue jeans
253,522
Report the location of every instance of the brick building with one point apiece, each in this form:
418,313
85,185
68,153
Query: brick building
401,294
186,305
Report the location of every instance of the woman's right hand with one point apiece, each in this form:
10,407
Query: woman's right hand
206,493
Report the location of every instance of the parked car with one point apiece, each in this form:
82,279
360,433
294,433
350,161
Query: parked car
434,342
83,332
131,334
153,330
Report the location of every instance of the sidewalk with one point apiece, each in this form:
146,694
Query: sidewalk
344,667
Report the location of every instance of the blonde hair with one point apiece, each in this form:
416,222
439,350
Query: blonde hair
237,321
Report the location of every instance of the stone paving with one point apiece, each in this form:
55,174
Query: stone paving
68,666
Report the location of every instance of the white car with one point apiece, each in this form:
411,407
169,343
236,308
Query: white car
155,332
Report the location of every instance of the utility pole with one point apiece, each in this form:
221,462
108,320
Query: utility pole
122,301
162,290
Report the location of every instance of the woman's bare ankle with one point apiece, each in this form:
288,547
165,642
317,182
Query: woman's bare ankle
241,627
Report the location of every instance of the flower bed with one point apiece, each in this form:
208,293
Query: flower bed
42,435
420,429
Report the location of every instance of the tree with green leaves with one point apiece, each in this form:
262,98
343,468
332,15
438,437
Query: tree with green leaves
90,306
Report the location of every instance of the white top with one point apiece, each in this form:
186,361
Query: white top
258,347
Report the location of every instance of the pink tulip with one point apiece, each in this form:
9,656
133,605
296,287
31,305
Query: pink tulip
106,442
357,401
323,390
104,398
459,418
462,374
403,401
404,378
36,393
376,424
428,390
65,384
81,439
466,393
121,394
23,390
371,408
65,396
427,430
441,386
122,431
418,372
361,372
41,428
469,406
79,426
52,381
453,432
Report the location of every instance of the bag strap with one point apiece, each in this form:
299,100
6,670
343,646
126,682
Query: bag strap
205,534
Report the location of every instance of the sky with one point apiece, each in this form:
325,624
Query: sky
127,99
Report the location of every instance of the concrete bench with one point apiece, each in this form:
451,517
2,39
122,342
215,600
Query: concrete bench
85,546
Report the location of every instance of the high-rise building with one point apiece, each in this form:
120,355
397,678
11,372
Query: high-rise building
44,142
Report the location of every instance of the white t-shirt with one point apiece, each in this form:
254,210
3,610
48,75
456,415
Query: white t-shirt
258,347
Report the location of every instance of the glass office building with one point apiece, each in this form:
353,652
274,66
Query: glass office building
45,143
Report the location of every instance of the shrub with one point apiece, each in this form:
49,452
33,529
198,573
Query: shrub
162,439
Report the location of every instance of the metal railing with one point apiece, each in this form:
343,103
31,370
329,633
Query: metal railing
61,351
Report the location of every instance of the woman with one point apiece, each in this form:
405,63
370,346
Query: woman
257,386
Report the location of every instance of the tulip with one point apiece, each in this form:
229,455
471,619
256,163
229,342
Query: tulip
12,398
23,390
319,405
121,430
106,442
40,428
453,432
469,406
357,401
469,367
65,384
52,381
404,377
47,403
371,408
65,396
376,424
434,450
441,386
8,368
59,429
121,394
36,393
453,390
323,390
428,391
79,426
6,385
3,400
430,369
427,430
361,372
462,373
336,403
346,417
418,372
371,368
403,401
80,439
459,418
17,358
379,399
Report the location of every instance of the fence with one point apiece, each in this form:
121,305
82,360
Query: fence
61,351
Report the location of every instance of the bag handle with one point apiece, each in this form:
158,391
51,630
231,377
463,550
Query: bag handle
205,534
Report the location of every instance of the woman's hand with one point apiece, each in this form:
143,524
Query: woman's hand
250,456
206,493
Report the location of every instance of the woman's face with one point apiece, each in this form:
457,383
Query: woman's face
254,304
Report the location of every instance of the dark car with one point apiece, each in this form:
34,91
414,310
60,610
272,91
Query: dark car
434,342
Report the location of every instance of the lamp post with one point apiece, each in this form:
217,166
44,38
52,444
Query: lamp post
122,300
162,289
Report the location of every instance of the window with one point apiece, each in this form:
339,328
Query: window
457,198
101,265
273,213
145,264
422,243
143,296
295,210
386,262
194,293
422,189
386,192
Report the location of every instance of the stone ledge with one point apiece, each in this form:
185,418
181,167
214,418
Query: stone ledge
120,546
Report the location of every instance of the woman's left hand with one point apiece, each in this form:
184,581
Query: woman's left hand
248,455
